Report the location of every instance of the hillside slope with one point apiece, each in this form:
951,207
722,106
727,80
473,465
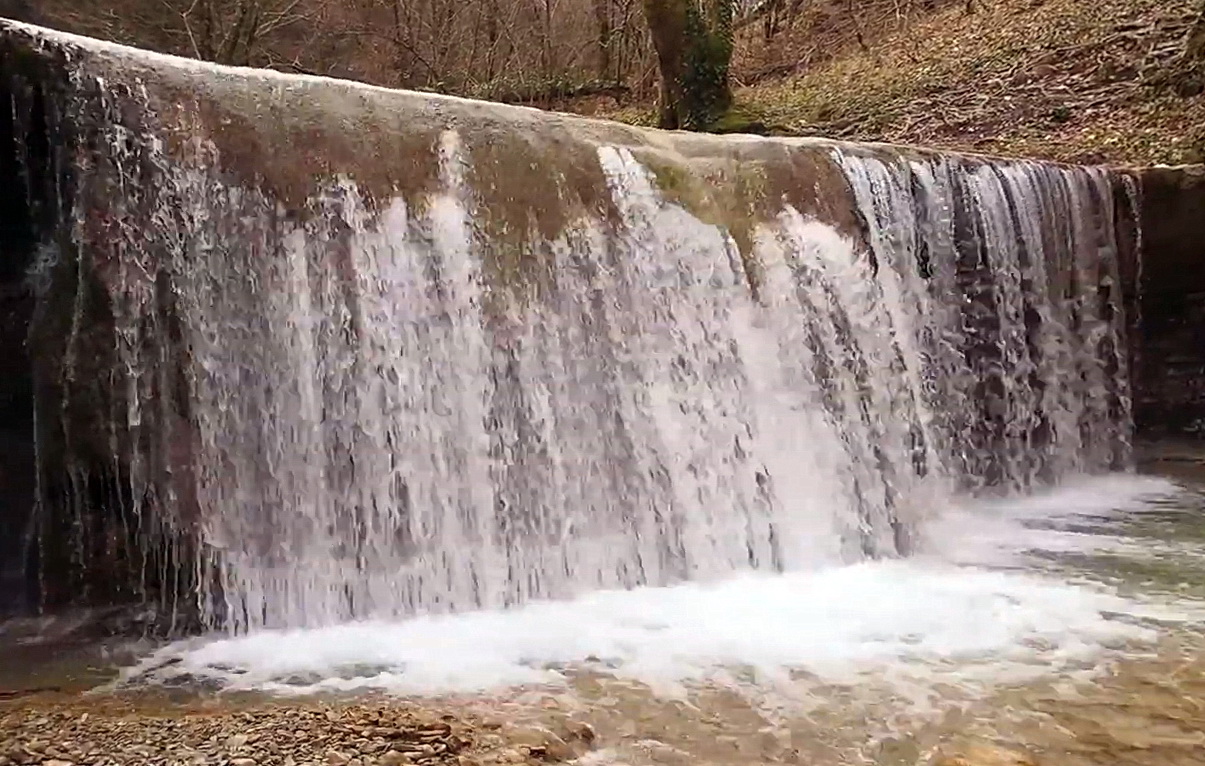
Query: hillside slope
1072,80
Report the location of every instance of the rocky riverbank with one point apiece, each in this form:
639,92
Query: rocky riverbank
124,731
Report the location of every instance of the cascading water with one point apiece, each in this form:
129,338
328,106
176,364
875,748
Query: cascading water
1017,266
361,412
378,438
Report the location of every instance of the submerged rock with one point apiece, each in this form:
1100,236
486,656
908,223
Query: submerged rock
538,742
985,755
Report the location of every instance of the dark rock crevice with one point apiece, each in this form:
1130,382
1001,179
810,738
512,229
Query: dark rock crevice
29,220
77,527
1169,373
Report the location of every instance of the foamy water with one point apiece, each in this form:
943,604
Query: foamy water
1000,532
942,615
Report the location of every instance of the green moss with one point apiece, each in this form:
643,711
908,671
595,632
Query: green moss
733,199
753,207
673,180
704,82
736,121
747,117
517,266
694,42
529,192
644,117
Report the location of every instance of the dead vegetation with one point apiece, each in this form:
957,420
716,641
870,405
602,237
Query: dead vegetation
1080,80
1064,79
515,50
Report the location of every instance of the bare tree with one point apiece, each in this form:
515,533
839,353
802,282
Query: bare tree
535,51
603,10
772,18
693,39
233,31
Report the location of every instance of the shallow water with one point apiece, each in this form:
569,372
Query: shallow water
1061,628
1120,699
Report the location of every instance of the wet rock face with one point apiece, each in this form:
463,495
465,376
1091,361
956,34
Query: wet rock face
18,239
1170,371
85,545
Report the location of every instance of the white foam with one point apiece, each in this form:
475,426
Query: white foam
997,533
903,619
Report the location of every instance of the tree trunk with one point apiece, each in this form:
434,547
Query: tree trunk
771,19
546,41
1186,75
20,10
602,17
693,40
1194,44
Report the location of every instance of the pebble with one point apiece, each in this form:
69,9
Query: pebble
985,755
580,731
237,741
285,736
539,742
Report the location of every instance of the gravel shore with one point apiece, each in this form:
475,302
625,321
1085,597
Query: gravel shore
108,731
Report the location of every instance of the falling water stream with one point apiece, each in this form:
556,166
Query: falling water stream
380,435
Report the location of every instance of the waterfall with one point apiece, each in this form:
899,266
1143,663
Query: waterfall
379,404
381,434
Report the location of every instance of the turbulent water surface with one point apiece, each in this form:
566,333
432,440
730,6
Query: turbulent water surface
1067,627
1000,593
